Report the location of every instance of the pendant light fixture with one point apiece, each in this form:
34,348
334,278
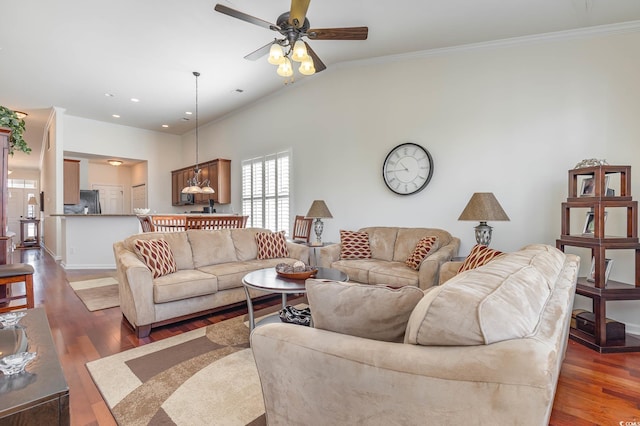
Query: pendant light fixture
194,186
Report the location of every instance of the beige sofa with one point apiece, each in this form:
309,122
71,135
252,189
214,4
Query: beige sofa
486,347
390,247
211,265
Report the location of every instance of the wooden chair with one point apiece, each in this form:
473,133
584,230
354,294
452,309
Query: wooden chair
215,222
301,229
169,223
146,223
16,273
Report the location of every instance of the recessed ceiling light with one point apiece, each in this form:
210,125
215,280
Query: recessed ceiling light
184,119
135,100
115,116
115,163
239,90
109,95
165,125
188,112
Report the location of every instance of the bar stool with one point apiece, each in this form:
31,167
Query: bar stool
16,273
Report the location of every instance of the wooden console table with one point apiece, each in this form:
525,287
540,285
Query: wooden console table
40,395
25,241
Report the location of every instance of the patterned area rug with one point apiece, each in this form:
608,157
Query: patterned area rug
96,294
202,377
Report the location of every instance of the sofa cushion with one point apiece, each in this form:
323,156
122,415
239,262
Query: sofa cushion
211,247
372,312
382,240
480,255
420,252
394,274
157,255
244,240
354,245
502,300
271,245
178,241
183,285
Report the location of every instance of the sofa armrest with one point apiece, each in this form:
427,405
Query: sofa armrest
328,255
448,270
394,383
428,274
298,251
135,284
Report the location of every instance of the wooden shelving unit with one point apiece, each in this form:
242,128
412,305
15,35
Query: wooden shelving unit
600,291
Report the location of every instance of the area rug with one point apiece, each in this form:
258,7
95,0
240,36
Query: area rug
96,294
201,377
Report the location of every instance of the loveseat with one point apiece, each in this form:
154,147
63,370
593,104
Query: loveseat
485,347
390,247
210,266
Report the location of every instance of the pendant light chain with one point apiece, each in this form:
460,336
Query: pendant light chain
197,74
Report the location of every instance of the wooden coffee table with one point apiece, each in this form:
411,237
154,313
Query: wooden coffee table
269,281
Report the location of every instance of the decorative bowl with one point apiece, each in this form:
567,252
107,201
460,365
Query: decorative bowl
298,275
14,364
11,318
297,271
141,211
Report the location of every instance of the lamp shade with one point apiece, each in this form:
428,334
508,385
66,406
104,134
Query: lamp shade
319,209
483,206
32,201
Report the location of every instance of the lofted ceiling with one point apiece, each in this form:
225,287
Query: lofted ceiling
70,53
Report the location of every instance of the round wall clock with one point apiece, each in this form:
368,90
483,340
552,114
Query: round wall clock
407,169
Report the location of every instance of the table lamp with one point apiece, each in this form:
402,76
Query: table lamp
482,207
32,202
318,211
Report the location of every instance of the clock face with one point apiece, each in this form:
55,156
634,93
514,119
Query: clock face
407,169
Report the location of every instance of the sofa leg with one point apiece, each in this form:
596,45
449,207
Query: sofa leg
143,331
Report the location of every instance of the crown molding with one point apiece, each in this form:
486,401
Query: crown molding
587,32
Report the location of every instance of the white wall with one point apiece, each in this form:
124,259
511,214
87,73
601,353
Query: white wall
509,119
162,151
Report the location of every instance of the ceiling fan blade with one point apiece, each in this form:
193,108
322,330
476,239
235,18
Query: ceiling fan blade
350,33
317,63
243,16
259,53
298,12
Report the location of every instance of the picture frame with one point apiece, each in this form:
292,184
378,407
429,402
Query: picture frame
589,224
608,264
589,187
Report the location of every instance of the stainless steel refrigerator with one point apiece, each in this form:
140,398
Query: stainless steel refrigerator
89,198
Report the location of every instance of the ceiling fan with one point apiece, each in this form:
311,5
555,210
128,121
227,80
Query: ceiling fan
294,26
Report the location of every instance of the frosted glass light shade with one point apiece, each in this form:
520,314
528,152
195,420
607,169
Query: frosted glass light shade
276,55
285,69
299,51
306,67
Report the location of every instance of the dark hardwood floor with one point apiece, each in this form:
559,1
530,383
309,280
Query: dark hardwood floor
593,389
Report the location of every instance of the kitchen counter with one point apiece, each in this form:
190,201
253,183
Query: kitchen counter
87,239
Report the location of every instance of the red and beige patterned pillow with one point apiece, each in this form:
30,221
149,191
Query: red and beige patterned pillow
157,255
354,245
480,255
271,245
421,251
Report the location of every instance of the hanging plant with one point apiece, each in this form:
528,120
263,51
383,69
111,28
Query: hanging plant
10,120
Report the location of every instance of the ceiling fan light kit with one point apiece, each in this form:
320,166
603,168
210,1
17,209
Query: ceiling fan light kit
294,26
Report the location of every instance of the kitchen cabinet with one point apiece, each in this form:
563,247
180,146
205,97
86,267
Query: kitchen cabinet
71,188
217,171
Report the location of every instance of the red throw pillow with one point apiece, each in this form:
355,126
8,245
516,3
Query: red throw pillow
421,251
157,255
271,245
480,255
354,245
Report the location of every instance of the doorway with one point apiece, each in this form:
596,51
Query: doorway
111,198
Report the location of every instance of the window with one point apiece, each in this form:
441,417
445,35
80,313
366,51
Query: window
265,191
